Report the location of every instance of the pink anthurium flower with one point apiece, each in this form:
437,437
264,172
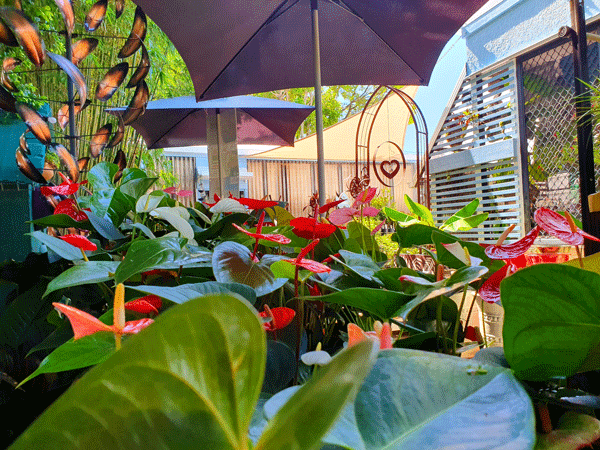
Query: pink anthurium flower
150,304
518,248
381,333
179,193
365,197
561,227
69,207
85,324
281,317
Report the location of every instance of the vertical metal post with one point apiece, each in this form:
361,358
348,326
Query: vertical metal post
585,143
314,9
71,99
522,156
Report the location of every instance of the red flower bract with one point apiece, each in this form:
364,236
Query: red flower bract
145,305
280,317
558,226
61,189
79,241
308,264
70,208
515,249
252,203
309,228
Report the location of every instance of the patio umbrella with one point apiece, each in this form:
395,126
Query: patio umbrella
182,122
232,47
222,124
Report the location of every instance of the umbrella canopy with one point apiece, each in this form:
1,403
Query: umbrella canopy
232,47
181,121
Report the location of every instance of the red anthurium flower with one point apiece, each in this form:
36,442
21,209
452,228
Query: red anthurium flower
377,228
85,324
382,333
252,203
61,189
80,242
174,191
309,228
281,317
277,238
216,200
558,226
184,193
515,249
490,289
308,264
145,305
327,206
170,190
69,207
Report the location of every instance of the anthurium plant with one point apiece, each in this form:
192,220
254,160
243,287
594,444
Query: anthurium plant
143,284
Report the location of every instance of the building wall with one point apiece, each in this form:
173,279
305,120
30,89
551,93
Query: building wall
515,25
295,181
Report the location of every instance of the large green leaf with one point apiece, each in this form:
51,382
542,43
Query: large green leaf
186,292
76,354
62,221
427,401
419,211
416,234
312,409
191,380
148,254
232,263
104,227
220,226
551,321
403,219
426,289
101,175
111,202
281,367
136,187
361,265
464,219
58,246
85,272
378,302
362,235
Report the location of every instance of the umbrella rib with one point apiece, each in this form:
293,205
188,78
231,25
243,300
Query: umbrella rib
344,6
281,9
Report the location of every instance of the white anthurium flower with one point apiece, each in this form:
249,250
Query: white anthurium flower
147,202
316,358
228,205
172,216
462,254
182,211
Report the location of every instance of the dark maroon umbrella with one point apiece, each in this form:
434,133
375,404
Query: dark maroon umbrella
181,121
234,47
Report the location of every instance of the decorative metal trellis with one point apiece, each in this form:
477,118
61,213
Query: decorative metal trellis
386,170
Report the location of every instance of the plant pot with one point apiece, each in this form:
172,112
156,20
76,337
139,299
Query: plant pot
493,318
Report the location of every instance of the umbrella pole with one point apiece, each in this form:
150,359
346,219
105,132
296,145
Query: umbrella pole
314,9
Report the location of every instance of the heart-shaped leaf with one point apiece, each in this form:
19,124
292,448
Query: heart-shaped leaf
101,175
232,263
281,366
403,219
435,401
58,246
186,292
62,221
378,302
168,387
148,254
84,273
104,227
76,354
552,321
419,211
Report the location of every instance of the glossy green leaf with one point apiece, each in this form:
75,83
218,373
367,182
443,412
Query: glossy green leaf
62,221
58,246
101,175
456,222
147,255
85,272
378,302
403,219
104,227
220,226
360,264
428,290
418,210
421,400
312,409
232,263
362,235
389,277
136,187
281,367
112,203
168,387
283,269
186,292
551,321
144,229
416,234
132,173
575,431
76,354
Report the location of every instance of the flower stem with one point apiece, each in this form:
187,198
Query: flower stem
457,323
84,255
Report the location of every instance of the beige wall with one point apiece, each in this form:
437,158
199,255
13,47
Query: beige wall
295,181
